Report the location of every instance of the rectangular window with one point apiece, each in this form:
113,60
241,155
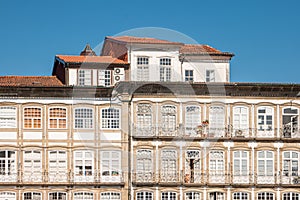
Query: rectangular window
169,124
144,196
290,163
265,163
265,119
84,77
8,116
110,163
7,163
143,69
32,117
84,118
168,165
265,196
216,162
144,165
165,69
110,195
192,119
240,196
193,196
168,196
110,118
189,75
57,196
240,163
8,195
104,78
57,166
58,118
216,121
32,196
84,163
32,166
210,76
83,196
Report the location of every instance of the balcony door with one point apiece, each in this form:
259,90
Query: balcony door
290,122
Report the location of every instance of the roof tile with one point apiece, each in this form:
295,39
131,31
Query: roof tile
90,59
141,40
29,81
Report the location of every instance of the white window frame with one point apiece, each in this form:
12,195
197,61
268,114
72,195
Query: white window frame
217,120
168,165
292,128
192,175
85,118
84,77
57,165
84,167
110,118
165,69
9,164
264,163
144,161
266,196
210,75
32,195
217,195
83,195
110,195
144,119
142,68
290,164
8,117
32,165
58,118
240,163
169,118
8,195
240,118
33,118
189,75
192,118
290,196
111,164
104,77
144,195
216,162
264,119
240,196
59,195
193,195
168,195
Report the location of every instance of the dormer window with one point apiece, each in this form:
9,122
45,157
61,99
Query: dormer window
165,69
84,77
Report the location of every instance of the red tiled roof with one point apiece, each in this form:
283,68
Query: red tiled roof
90,59
29,81
140,40
198,49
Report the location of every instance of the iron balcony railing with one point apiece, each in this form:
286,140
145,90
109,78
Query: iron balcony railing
212,133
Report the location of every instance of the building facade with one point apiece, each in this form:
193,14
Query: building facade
148,119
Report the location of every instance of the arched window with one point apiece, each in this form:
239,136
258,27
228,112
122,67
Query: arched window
241,196
216,121
192,119
168,115
8,195
144,162
144,195
192,166
290,163
32,196
265,121
291,196
265,196
58,118
83,196
8,116
144,120
57,196
168,196
57,166
240,167
32,117
290,122
168,165
193,196
240,121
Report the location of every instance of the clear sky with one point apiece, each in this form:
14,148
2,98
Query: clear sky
263,34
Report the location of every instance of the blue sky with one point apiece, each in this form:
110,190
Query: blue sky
264,35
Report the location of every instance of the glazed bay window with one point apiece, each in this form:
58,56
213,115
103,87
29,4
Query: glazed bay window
144,120
32,117
240,167
8,170
32,196
143,69
192,119
84,118
189,75
193,196
240,121
110,118
57,166
216,166
8,196
57,196
144,160
144,196
168,196
265,167
110,196
84,166
165,69
32,166
265,121
110,166
84,77
83,196
210,76
58,118
8,117
168,165
104,77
